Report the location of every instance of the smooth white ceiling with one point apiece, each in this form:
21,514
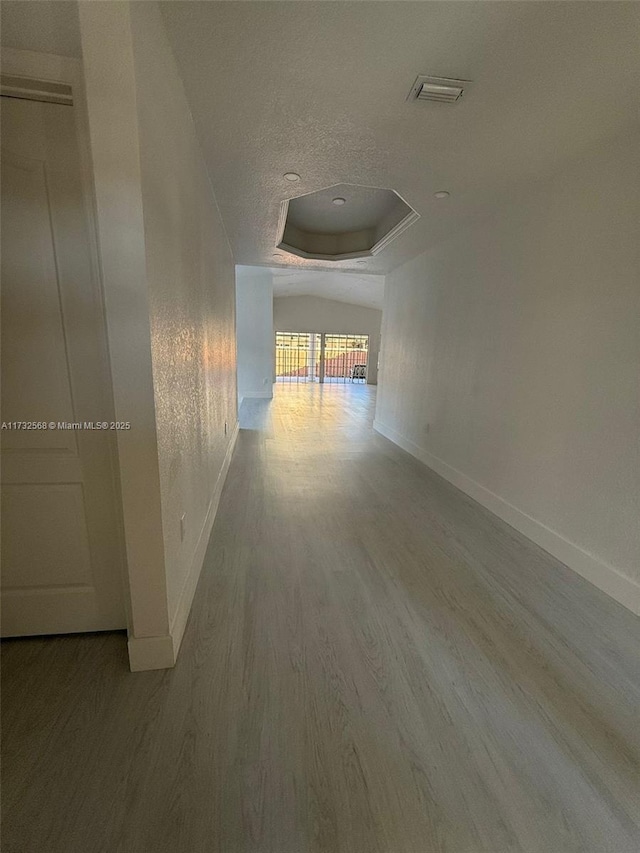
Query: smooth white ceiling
365,289
364,208
319,88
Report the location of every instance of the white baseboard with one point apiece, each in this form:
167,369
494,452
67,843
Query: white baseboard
181,616
150,653
607,578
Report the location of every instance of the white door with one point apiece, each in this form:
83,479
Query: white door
61,569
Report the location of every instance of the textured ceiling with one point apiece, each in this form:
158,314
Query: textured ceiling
366,290
47,26
320,88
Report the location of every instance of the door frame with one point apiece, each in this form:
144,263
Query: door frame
50,68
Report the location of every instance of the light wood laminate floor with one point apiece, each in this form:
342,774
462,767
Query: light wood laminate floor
374,664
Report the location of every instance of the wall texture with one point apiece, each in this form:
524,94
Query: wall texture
42,26
511,359
314,314
115,150
254,332
190,274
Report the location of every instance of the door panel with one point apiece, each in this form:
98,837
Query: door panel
61,546
35,376
57,512
345,358
297,357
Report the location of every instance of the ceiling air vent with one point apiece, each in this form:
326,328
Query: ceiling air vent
442,90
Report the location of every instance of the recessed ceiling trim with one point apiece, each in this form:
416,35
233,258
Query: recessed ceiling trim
409,219
316,256
282,221
439,90
345,245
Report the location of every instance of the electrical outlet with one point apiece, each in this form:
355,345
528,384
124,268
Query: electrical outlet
183,526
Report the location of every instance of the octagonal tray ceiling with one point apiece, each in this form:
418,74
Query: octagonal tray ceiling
342,221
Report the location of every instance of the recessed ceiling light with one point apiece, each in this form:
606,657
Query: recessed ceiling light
338,201
291,176
441,194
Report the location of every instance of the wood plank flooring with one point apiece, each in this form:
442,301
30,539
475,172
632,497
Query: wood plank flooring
374,664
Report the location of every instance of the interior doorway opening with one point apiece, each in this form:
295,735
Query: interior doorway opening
322,357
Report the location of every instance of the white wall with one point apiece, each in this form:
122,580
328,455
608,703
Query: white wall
511,359
254,332
113,125
191,279
184,298
314,314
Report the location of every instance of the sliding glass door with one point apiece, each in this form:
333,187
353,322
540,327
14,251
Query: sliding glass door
345,358
324,357
297,357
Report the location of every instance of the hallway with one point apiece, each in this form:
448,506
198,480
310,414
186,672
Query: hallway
373,664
